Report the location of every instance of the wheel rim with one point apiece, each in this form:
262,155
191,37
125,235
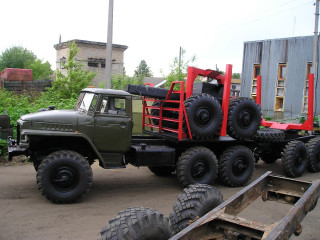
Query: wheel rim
245,119
199,169
239,167
64,178
203,116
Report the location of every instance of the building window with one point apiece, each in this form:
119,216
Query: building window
103,65
93,64
256,73
280,94
306,89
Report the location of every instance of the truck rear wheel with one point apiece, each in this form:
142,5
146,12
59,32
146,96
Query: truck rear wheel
138,223
244,118
313,147
197,165
295,159
64,177
204,115
236,166
195,201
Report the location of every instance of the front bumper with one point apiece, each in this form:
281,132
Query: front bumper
15,150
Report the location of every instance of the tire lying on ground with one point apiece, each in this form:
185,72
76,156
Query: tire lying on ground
313,147
269,135
236,166
197,165
195,201
244,118
295,159
137,223
64,177
204,115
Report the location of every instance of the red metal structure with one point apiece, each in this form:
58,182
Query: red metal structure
307,125
193,73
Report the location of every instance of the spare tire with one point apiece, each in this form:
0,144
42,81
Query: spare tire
204,115
167,114
269,135
244,118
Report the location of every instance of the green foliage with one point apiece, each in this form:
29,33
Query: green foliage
76,79
121,81
142,70
3,147
16,57
29,102
236,76
268,118
40,70
302,119
178,70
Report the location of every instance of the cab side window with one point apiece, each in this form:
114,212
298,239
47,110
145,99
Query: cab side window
113,105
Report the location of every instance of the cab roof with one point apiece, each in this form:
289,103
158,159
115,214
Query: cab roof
106,91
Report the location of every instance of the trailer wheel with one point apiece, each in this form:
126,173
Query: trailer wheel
269,135
64,177
162,170
137,223
244,118
236,166
195,201
295,159
204,115
313,147
197,165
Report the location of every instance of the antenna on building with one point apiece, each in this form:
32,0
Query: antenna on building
60,38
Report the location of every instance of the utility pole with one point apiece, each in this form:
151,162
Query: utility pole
315,42
108,69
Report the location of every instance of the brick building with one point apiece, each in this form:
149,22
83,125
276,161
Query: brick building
93,54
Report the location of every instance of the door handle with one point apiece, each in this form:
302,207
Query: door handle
123,125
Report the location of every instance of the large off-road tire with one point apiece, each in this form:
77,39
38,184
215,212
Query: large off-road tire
197,165
295,158
195,201
137,223
313,147
162,170
244,118
204,114
236,166
269,135
64,177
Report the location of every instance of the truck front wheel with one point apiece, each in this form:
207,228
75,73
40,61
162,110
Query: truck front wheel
197,165
64,177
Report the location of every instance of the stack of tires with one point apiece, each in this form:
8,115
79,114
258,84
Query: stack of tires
140,223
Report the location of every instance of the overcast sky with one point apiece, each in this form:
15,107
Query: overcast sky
154,30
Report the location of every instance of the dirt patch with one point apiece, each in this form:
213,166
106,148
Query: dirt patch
16,161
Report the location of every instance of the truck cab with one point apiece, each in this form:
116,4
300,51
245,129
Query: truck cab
99,127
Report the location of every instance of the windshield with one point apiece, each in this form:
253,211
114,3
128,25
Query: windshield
86,102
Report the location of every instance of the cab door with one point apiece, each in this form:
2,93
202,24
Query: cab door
113,125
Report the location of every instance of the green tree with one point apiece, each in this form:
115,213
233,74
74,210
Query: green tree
40,70
179,70
76,79
236,75
142,70
16,57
